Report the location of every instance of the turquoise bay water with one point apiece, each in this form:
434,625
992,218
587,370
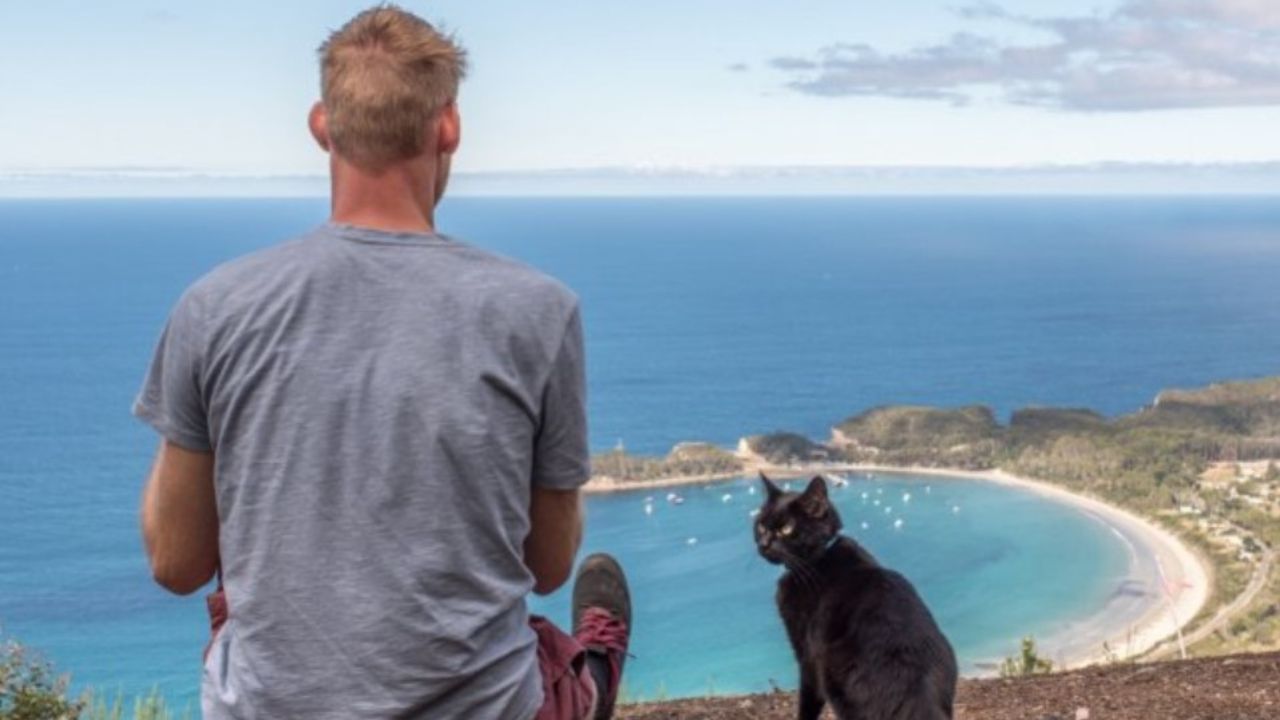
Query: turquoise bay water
706,319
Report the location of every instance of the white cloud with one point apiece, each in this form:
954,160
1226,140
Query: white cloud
1144,55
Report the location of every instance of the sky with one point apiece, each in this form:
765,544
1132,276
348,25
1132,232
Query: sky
567,91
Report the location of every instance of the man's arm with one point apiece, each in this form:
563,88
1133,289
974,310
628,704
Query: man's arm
561,465
555,533
180,519
179,513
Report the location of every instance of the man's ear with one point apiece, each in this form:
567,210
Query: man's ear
318,122
449,130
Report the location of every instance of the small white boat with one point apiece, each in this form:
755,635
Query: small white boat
837,480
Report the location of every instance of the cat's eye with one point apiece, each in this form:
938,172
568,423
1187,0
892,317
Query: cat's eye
787,529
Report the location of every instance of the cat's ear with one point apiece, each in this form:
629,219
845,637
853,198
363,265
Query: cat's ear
814,499
771,490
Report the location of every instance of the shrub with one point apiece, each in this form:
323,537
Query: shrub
1028,662
149,707
30,691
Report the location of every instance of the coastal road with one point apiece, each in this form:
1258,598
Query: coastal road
1225,614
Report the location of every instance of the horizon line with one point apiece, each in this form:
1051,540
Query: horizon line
1051,179
649,169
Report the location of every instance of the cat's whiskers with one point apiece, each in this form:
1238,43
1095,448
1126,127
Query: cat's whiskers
803,570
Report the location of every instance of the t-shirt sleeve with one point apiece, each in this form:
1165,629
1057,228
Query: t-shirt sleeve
171,399
561,459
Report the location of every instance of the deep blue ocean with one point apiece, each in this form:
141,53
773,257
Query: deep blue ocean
706,319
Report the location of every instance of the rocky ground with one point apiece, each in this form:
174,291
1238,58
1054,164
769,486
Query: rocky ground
1240,687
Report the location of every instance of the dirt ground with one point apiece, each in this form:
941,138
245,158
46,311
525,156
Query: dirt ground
1240,687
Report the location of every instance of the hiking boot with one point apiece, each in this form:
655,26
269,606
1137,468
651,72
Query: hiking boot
602,624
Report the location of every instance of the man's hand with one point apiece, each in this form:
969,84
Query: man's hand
180,519
555,532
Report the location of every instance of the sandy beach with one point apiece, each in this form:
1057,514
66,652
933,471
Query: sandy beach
1166,586
605,485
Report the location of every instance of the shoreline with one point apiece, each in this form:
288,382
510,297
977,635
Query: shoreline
1166,586
606,485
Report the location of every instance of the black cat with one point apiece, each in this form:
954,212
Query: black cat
864,639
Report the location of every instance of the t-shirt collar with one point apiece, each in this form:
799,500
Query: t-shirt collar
374,235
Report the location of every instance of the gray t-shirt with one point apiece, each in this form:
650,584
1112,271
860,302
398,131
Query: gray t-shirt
379,406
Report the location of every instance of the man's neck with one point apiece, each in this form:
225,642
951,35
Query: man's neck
393,200
378,219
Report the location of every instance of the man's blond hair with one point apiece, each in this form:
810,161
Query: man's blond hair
383,76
